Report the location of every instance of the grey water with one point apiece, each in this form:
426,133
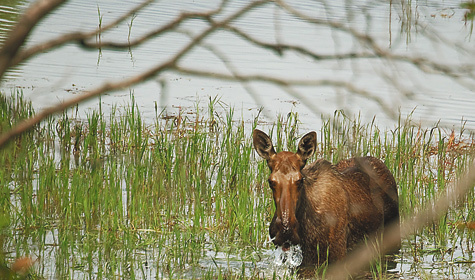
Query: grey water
432,30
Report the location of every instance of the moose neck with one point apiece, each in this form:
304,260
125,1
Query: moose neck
320,176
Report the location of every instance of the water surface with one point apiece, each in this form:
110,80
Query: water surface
401,28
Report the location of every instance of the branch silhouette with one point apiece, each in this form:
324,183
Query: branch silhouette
113,86
11,55
21,31
79,37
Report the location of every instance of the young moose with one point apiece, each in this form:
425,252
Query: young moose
327,209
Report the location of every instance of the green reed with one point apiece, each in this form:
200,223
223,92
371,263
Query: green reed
186,197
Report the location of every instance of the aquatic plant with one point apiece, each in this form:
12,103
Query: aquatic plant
186,197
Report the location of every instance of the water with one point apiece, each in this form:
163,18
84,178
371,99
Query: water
399,86
394,86
290,258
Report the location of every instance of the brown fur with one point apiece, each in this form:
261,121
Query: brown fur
326,208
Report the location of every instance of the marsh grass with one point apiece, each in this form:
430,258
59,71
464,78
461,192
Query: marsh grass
111,197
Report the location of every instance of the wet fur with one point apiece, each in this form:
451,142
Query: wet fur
341,204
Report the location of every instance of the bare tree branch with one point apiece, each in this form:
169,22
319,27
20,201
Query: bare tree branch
22,29
283,82
24,55
423,64
363,38
279,48
153,34
108,87
464,74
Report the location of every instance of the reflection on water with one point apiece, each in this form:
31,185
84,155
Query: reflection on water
60,74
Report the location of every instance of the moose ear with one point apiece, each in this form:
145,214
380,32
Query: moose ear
263,144
307,145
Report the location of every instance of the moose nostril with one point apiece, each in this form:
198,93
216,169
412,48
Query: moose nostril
282,224
284,227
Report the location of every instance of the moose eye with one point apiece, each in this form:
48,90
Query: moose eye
271,184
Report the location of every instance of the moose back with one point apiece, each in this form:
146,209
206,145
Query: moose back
327,209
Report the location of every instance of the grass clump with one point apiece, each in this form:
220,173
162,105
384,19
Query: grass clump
186,197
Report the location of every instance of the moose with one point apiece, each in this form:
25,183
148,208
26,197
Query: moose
327,209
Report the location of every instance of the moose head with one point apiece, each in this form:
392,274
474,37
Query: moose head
287,183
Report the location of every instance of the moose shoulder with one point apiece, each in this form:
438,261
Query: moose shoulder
326,208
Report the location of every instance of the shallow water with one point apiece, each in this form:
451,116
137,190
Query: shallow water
290,258
143,253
